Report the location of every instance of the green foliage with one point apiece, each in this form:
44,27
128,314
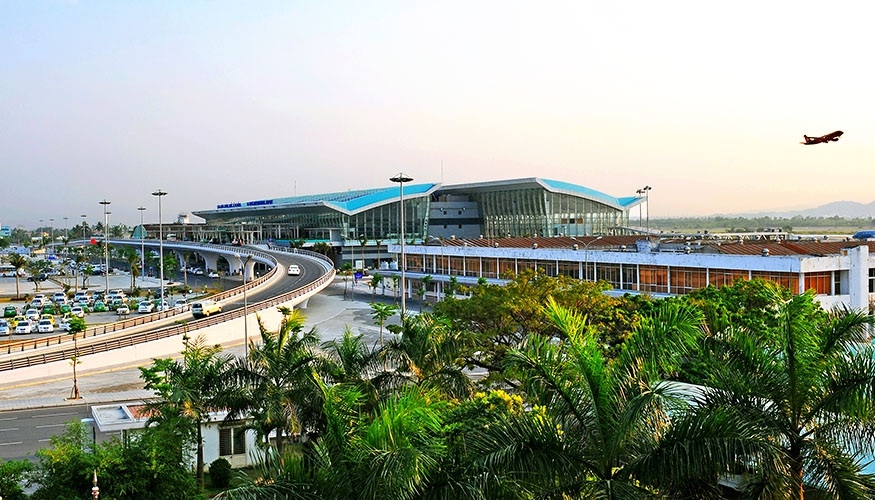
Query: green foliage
65,469
220,472
12,475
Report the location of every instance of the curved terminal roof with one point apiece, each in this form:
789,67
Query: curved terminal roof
355,201
347,202
549,185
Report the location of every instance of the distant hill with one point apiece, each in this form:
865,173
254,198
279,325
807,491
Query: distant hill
845,209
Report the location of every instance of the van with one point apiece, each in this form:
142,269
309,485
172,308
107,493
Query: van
205,308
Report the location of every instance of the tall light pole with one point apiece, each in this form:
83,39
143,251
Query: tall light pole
160,194
52,234
646,191
401,179
640,193
66,234
245,310
142,243
105,246
84,236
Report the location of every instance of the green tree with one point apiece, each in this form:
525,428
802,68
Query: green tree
17,261
423,289
187,391
803,386
132,258
426,352
12,476
125,470
376,281
382,312
395,452
593,422
275,385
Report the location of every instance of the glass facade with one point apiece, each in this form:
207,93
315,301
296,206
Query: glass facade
540,212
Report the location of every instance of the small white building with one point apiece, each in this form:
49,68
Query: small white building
229,440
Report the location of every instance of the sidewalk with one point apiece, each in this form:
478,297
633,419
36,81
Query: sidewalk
328,312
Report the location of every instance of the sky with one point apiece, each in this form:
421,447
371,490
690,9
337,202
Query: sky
226,101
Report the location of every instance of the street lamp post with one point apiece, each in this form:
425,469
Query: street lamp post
160,194
586,257
401,179
245,310
52,234
142,243
66,234
105,245
646,191
84,224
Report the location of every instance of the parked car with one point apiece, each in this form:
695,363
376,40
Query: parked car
48,317
24,326
45,326
4,327
180,303
213,274
37,302
77,311
48,309
146,306
123,310
32,314
16,320
58,297
99,306
294,270
38,277
10,312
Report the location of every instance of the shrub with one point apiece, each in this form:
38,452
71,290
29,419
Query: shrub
220,472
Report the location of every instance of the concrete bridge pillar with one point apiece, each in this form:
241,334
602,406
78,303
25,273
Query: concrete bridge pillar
211,260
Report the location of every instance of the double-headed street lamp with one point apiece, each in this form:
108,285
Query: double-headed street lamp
142,243
160,194
401,179
105,246
646,191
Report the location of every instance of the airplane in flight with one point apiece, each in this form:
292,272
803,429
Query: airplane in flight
822,139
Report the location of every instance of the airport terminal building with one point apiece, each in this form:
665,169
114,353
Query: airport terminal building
360,224
482,231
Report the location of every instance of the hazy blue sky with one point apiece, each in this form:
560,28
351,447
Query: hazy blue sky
221,101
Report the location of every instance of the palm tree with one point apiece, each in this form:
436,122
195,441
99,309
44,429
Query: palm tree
188,390
592,422
132,258
350,361
275,384
804,387
17,261
381,312
423,288
427,353
395,452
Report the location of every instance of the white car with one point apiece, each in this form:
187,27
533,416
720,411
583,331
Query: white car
25,326
294,270
4,327
123,310
45,326
32,314
213,274
77,311
59,297
146,306
64,324
180,303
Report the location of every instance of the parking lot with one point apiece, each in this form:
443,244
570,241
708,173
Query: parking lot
28,290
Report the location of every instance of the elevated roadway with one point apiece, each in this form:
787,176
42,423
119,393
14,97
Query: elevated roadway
159,334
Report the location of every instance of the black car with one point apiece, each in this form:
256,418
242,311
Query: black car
38,277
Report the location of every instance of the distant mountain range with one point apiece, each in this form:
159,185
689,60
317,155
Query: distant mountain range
845,209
